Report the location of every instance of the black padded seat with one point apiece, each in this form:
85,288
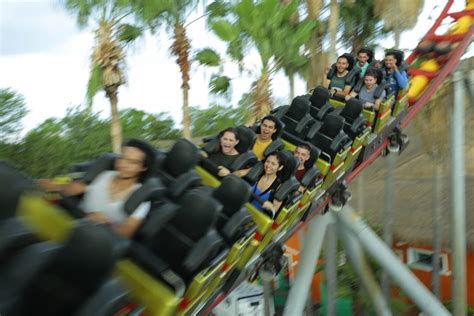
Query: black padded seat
381,84
176,168
246,156
329,136
234,221
353,72
66,276
355,122
289,184
296,118
320,106
180,237
312,173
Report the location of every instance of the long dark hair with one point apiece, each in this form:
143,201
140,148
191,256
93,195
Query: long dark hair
232,130
150,156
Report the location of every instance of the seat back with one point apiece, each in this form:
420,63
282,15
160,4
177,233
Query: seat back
233,193
331,138
12,185
71,276
320,106
181,158
193,219
352,110
247,139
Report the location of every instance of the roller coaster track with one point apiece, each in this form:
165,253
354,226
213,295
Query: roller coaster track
371,153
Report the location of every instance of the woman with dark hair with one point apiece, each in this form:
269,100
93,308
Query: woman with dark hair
266,186
225,153
105,196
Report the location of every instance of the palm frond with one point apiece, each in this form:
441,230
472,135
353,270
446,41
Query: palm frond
208,57
95,83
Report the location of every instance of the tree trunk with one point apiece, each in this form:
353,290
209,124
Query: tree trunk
115,127
291,79
333,22
261,97
317,62
180,49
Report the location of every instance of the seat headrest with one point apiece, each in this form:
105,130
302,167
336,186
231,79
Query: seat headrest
299,107
290,165
196,214
332,125
12,185
101,164
319,97
182,157
233,193
352,109
350,59
247,139
400,55
369,51
313,155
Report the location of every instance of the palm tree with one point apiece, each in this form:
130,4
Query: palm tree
266,26
360,26
108,57
317,59
392,11
172,15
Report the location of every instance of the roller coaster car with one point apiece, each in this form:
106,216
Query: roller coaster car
296,118
356,127
246,156
178,241
55,279
320,106
329,136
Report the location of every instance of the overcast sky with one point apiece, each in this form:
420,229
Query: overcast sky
45,57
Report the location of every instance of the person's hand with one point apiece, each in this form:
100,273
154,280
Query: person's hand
395,67
268,206
223,171
204,154
98,218
368,105
347,97
47,185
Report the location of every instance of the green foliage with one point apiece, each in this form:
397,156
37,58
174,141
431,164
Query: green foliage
218,9
129,33
95,83
12,111
215,118
55,145
219,85
224,30
208,57
359,24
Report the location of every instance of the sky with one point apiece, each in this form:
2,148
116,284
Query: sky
45,56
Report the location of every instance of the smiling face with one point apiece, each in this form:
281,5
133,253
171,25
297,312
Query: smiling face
272,165
342,64
369,81
131,163
362,58
302,154
267,129
228,142
390,61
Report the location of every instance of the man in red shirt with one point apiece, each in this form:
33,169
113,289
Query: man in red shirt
303,153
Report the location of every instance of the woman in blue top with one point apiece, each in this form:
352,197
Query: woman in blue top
268,183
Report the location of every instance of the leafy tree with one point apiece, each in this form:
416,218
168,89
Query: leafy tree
215,118
108,57
266,26
171,15
147,126
12,111
360,25
392,12
56,144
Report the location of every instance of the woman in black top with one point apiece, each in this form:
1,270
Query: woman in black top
226,153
